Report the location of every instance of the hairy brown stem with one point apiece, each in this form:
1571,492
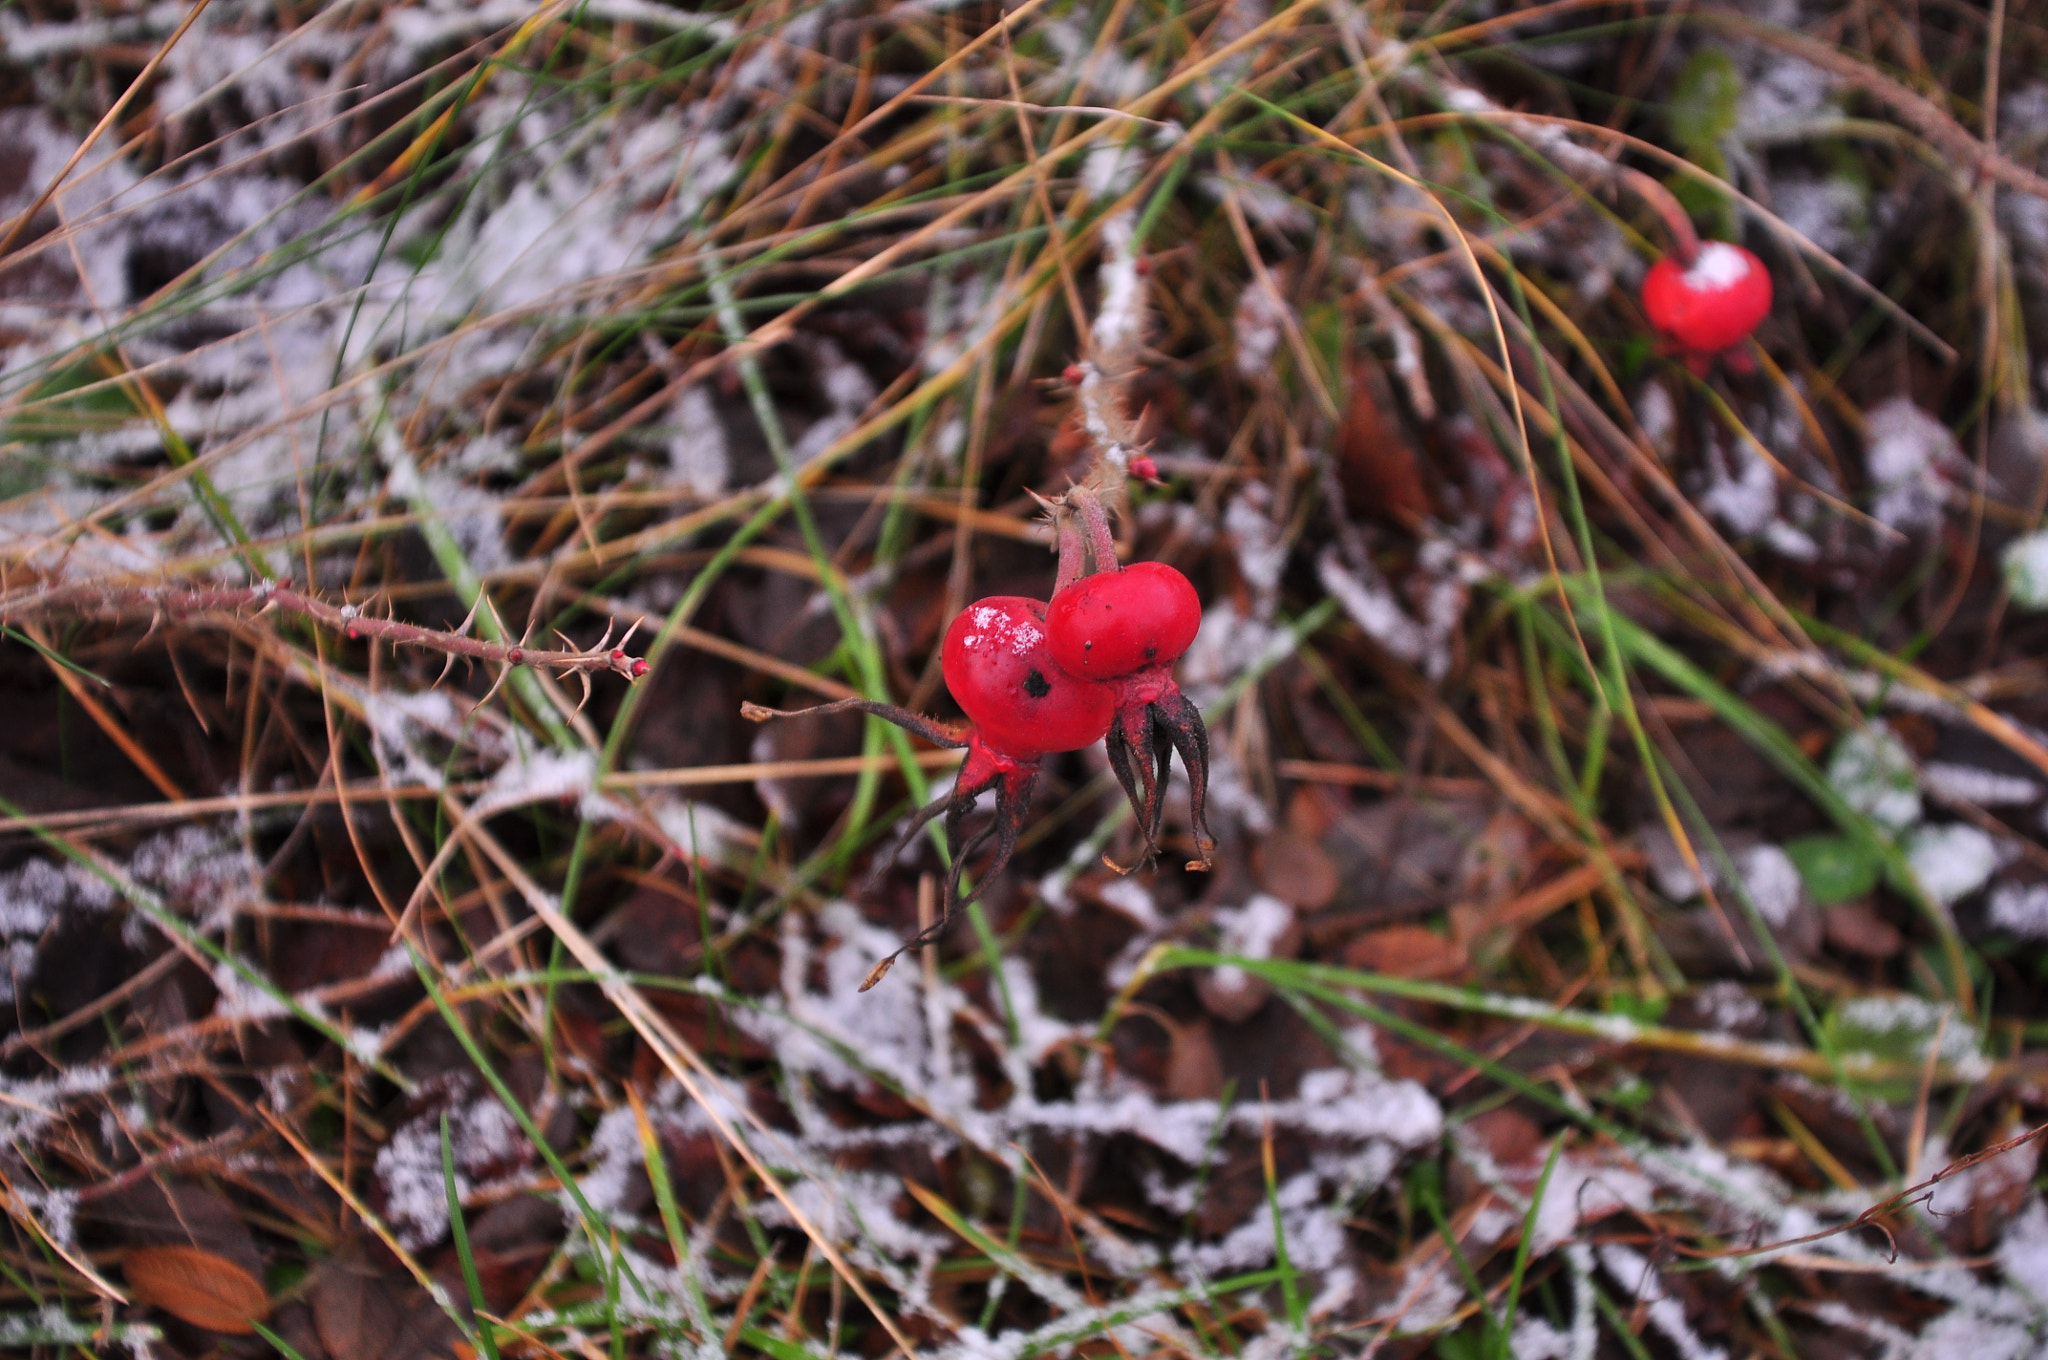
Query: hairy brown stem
937,733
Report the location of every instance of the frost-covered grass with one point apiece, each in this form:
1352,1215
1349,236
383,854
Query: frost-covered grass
1683,735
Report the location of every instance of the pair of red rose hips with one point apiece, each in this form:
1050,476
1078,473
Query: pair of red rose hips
1094,664
1036,678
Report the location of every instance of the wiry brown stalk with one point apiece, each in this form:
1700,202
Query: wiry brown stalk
1873,1217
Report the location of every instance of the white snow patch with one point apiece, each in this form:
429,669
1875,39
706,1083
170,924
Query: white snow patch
1261,549
1258,327
1946,782
538,776
1767,873
1874,772
400,722
1718,267
1905,1022
1728,1007
1961,1332
2023,1251
1580,1192
1908,452
1120,324
699,830
244,999
1226,643
1829,211
699,457
1250,932
1370,603
1746,500
1536,1339
1780,90
482,1136
1772,881
1657,415
1134,900
2025,560
1636,1279
1951,860
2020,909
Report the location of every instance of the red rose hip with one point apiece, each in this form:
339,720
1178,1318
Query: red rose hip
1118,622
1003,675
1712,304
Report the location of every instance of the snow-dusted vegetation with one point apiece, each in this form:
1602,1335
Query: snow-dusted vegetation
424,423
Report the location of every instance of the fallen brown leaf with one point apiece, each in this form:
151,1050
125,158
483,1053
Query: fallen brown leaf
196,1286
1378,464
1406,951
1292,867
1856,928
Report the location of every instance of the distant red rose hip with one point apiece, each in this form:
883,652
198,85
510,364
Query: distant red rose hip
1117,622
1711,305
1004,676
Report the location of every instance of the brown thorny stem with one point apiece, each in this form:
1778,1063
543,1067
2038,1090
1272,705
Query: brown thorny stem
351,621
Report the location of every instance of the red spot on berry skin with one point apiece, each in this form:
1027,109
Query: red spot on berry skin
999,669
515,656
639,666
1072,375
1714,304
1117,622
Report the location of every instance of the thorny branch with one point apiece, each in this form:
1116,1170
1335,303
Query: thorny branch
350,620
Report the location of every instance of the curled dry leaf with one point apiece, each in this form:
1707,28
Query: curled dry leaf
197,1286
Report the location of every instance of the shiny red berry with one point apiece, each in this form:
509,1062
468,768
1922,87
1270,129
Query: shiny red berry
1000,671
1711,305
1115,623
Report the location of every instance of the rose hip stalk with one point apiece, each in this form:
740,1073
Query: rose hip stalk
1023,707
